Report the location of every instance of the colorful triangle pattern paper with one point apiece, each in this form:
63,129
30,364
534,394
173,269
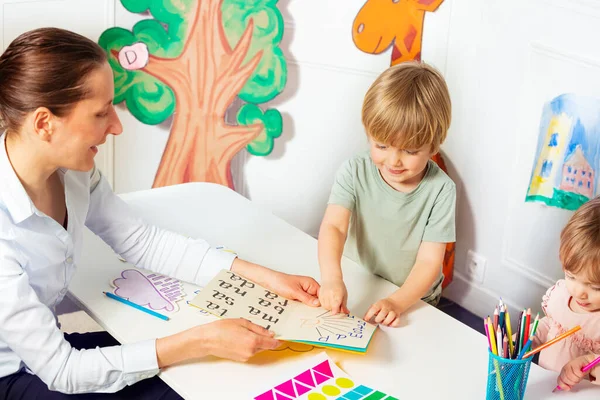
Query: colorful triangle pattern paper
306,378
324,369
320,378
287,388
279,396
318,381
301,389
300,384
265,396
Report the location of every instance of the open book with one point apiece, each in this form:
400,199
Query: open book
232,296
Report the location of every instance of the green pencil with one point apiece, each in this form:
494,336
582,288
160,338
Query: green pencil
535,324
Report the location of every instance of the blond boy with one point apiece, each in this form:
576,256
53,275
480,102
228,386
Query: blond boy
392,209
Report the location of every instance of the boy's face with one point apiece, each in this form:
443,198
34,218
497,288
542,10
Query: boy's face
402,169
586,294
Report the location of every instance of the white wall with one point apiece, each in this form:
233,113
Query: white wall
502,61
505,60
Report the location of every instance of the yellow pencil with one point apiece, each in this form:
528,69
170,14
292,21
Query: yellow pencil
509,331
492,337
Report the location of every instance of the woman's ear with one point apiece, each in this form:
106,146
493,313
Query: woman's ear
43,122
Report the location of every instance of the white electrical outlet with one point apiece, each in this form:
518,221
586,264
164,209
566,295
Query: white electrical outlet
475,266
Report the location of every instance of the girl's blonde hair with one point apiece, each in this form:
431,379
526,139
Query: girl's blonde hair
408,106
580,242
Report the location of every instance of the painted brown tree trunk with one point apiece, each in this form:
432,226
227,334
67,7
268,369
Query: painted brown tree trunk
205,78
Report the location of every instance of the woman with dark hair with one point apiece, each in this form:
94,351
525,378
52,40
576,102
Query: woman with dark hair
56,108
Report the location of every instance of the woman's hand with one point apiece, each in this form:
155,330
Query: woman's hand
293,287
233,339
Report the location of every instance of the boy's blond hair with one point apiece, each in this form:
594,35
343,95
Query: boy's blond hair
408,106
580,241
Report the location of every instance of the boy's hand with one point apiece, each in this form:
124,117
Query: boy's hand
571,374
333,296
385,312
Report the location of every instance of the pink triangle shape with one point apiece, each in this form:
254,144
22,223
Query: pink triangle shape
320,378
324,369
279,396
306,378
301,389
265,396
287,388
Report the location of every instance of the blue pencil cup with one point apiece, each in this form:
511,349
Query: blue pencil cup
507,379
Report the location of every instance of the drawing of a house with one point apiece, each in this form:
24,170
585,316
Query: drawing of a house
567,159
578,175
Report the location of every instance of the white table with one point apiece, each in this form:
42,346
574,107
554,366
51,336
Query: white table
431,356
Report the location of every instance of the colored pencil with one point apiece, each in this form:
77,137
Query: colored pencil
535,324
527,326
591,365
518,335
496,366
492,338
496,316
551,342
129,303
525,347
487,332
523,328
499,341
509,332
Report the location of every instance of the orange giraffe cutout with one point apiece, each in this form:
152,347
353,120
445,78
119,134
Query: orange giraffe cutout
399,23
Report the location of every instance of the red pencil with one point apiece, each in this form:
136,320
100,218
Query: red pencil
527,323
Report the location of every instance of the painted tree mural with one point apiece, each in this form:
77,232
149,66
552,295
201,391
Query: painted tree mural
191,61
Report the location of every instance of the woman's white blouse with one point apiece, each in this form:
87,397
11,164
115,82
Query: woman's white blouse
38,258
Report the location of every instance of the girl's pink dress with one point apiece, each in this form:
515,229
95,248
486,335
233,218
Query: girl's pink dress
559,319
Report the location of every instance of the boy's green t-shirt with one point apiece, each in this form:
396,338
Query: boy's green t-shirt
387,226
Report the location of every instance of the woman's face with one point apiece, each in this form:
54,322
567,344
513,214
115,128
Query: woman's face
77,136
